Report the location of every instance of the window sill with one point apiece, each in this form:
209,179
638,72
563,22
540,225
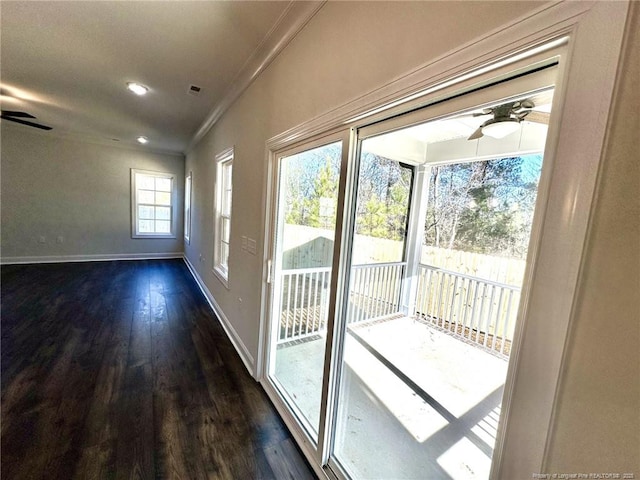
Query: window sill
152,236
222,275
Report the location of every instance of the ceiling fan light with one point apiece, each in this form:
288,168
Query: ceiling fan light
501,128
137,88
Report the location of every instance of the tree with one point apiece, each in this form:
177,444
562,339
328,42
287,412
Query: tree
383,197
308,178
483,207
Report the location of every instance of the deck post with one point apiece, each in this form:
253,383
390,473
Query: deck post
415,231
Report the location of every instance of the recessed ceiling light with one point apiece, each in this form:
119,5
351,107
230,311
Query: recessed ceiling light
137,88
143,140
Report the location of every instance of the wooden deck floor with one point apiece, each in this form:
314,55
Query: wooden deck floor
120,370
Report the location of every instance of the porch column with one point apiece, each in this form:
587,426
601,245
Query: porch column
415,232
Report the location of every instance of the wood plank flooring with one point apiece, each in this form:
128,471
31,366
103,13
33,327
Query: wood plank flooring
119,370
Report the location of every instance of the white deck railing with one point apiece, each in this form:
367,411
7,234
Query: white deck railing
304,302
374,292
479,310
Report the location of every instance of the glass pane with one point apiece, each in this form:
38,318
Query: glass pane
145,226
163,213
228,168
145,196
383,207
163,184
224,255
163,198
427,345
145,182
226,229
145,212
226,203
163,226
308,190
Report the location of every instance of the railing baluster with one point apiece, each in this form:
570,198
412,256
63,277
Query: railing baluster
453,325
388,278
305,298
354,292
442,298
496,331
473,308
379,291
324,300
425,293
375,293
488,321
384,292
397,281
368,278
315,309
480,317
295,303
505,334
447,311
442,304
431,301
286,331
352,295
467,305
417,308
440,290
394,304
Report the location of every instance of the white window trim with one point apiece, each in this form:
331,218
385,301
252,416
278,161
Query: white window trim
223,158
134,204
188,196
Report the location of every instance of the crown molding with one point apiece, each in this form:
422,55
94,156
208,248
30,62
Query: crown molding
293,19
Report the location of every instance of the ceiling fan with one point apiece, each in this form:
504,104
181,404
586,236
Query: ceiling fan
18,117
506,118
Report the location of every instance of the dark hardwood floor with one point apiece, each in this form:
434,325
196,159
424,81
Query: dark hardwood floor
121,370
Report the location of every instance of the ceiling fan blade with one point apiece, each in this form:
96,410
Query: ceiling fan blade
538,117
24,122
12,113
477,134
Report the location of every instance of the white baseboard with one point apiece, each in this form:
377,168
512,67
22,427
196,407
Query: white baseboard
103,257
237,342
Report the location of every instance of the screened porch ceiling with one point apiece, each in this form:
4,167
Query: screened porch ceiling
446,140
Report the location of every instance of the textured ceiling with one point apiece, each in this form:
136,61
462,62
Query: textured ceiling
67,63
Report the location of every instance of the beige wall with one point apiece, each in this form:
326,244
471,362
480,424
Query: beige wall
597,425
54,186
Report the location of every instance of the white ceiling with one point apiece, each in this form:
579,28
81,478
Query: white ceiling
67,63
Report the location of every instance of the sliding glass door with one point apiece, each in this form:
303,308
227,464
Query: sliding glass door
301,276
396,281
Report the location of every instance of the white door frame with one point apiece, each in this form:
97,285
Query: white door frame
588,69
